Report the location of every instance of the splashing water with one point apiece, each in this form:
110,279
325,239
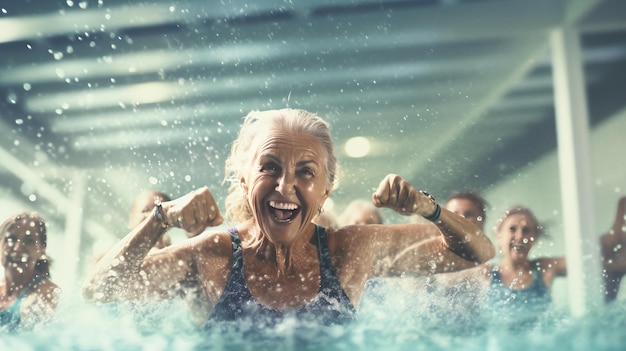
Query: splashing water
389,318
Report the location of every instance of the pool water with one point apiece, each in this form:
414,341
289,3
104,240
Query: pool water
389,319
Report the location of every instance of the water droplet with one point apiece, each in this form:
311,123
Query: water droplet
12,98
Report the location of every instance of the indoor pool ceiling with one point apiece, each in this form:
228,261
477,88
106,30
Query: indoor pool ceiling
99,99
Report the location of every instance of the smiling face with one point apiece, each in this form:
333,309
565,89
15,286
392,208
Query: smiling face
516,235
22,245
286,184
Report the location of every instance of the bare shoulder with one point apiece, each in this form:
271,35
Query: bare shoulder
552,266
215,243
351,237
212,253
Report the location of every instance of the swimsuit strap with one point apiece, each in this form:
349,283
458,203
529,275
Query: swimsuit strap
327,271
537,282
234,237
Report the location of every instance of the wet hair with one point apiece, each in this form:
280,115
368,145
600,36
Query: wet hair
42,266
244,149
520,210
475,198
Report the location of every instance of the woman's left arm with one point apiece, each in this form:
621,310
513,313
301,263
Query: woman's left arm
456,234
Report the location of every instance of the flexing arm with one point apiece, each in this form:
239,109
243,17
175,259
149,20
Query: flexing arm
127,271
460,243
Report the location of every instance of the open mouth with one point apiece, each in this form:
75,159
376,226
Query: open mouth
17,257
283,211
518,248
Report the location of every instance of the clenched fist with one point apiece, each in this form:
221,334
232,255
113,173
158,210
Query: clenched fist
193,212
399,195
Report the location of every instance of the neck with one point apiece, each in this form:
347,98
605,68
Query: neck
286,256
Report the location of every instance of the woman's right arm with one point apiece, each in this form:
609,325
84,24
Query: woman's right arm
129,272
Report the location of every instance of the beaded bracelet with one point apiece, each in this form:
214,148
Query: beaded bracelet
435,215
159,216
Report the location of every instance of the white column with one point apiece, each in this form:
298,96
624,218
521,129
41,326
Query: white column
73,232
581,242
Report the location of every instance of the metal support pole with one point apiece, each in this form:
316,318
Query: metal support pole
581,243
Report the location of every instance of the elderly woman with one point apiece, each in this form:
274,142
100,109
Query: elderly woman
275,262
27,295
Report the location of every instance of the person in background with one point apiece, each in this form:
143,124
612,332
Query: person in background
360,211
517,280
275,263
142,207
517,289
28,297
469,205
613,245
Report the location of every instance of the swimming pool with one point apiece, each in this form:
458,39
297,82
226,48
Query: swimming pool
398,321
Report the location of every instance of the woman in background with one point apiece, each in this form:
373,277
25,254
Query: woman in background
27,295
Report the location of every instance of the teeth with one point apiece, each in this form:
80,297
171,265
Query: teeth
284,205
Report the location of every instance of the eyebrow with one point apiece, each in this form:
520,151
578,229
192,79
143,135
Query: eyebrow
277,160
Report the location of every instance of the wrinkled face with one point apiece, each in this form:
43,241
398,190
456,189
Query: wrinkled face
516,236
21,246
466,209
142,208
286,184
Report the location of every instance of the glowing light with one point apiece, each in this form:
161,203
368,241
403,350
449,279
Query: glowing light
357,147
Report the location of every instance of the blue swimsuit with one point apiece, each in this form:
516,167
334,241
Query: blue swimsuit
520,307
10,318
330,306
536,293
